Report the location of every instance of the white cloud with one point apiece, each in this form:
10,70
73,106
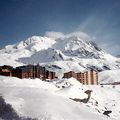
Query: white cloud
82,35
54,35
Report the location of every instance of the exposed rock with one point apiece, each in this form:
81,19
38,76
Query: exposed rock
85,100
107,112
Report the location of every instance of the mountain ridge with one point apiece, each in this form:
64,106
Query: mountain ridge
70,51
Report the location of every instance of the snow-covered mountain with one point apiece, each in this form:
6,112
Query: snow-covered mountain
74,51
60,98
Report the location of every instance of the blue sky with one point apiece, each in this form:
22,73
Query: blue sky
20,19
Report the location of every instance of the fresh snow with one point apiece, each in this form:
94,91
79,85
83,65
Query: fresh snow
50,101
56,47
109,76
53,100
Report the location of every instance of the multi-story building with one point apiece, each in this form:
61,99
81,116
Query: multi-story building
40,72
24,72
6,70
36,71
31,71
70,74
88,77
50,75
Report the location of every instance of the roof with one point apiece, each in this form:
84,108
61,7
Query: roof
24,68
6,67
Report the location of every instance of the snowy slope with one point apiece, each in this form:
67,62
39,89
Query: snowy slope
55,48
11,53
109,76
53,100
49,101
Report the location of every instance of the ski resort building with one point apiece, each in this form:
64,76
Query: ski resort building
23,72
6,70
31,71
36,71
70,74
88,77
42,73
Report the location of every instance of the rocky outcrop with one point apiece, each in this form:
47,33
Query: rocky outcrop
107,112
85,100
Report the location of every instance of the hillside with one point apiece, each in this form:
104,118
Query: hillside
51,101
74,51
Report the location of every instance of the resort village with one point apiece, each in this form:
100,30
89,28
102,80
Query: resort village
37,71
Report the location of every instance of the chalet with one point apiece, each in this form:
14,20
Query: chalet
6,70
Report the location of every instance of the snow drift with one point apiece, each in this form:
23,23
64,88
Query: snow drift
50,101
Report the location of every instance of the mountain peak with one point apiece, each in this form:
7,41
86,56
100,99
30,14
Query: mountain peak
75,51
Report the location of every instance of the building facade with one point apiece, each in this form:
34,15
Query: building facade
35,71
6,70
40,72
87,78
31,71
23,72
